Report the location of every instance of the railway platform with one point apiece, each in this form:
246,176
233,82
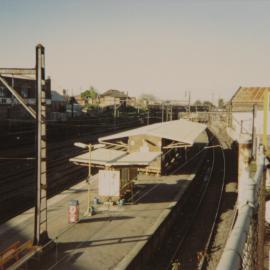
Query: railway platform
112,237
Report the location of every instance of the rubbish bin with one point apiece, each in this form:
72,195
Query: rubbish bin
73,211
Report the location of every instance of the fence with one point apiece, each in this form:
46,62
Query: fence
244,247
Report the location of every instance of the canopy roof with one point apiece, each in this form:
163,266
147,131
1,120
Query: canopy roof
183,131
137,158
100,156
111,157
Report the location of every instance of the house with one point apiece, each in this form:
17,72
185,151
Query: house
241,105
59,102
26,87
116,97
245,97
79,100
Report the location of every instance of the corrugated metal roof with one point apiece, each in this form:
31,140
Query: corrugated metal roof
178,130
100,156
249,95
137,158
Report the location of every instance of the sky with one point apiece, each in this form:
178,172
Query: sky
164,48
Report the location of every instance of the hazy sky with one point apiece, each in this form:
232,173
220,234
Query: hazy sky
160,47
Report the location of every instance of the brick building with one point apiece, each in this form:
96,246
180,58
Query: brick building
26,87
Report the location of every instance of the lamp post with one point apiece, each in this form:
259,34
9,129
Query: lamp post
90,147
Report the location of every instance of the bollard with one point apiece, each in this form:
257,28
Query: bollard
73,211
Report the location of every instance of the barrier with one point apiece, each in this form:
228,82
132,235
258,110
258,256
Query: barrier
244,247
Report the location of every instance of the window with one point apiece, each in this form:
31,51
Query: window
24,92
2,91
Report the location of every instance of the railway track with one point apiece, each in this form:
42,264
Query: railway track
17,178
191,235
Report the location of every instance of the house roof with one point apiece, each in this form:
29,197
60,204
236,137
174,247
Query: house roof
249,95
183,131
56,96
115,93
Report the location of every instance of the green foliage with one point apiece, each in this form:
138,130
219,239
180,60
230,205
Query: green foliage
221,103
197,103
90,93
148,97
209,104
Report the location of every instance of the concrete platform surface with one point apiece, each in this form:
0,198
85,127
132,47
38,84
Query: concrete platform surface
107,240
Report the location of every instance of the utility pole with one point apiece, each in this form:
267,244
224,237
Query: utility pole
189,102
148,116
162,111
114,113
40,230
41,235
254,142
265,119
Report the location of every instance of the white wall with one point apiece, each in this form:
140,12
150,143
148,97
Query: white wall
246,117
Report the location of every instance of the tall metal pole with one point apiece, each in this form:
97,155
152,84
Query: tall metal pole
88,180
41,234
189,102
254,142
114,112
162,112
265,119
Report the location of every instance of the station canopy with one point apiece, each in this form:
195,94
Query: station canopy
101,156
182,131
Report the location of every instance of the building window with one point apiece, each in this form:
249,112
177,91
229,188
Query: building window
24,92
2,91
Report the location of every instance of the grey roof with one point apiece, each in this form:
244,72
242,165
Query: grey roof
183,131
137,158
100,156
56,96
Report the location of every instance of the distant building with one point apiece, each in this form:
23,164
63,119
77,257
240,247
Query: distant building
245,97
59,102
241,105
79,100
116,97
26,87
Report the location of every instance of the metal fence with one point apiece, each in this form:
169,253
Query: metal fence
244,247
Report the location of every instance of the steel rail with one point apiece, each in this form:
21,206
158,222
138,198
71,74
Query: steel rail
188,226
211,235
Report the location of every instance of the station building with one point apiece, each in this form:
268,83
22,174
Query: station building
26,87
241,105
154,149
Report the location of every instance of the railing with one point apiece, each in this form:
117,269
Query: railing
244,247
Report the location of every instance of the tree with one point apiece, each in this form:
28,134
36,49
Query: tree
89,93
208,104
221,103
197,103
148,97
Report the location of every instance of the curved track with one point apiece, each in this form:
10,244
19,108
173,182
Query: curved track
190,237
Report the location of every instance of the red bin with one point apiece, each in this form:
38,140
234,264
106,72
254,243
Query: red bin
73,211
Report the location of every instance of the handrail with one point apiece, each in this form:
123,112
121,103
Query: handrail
231,258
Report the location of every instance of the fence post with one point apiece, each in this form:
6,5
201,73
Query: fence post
261,213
